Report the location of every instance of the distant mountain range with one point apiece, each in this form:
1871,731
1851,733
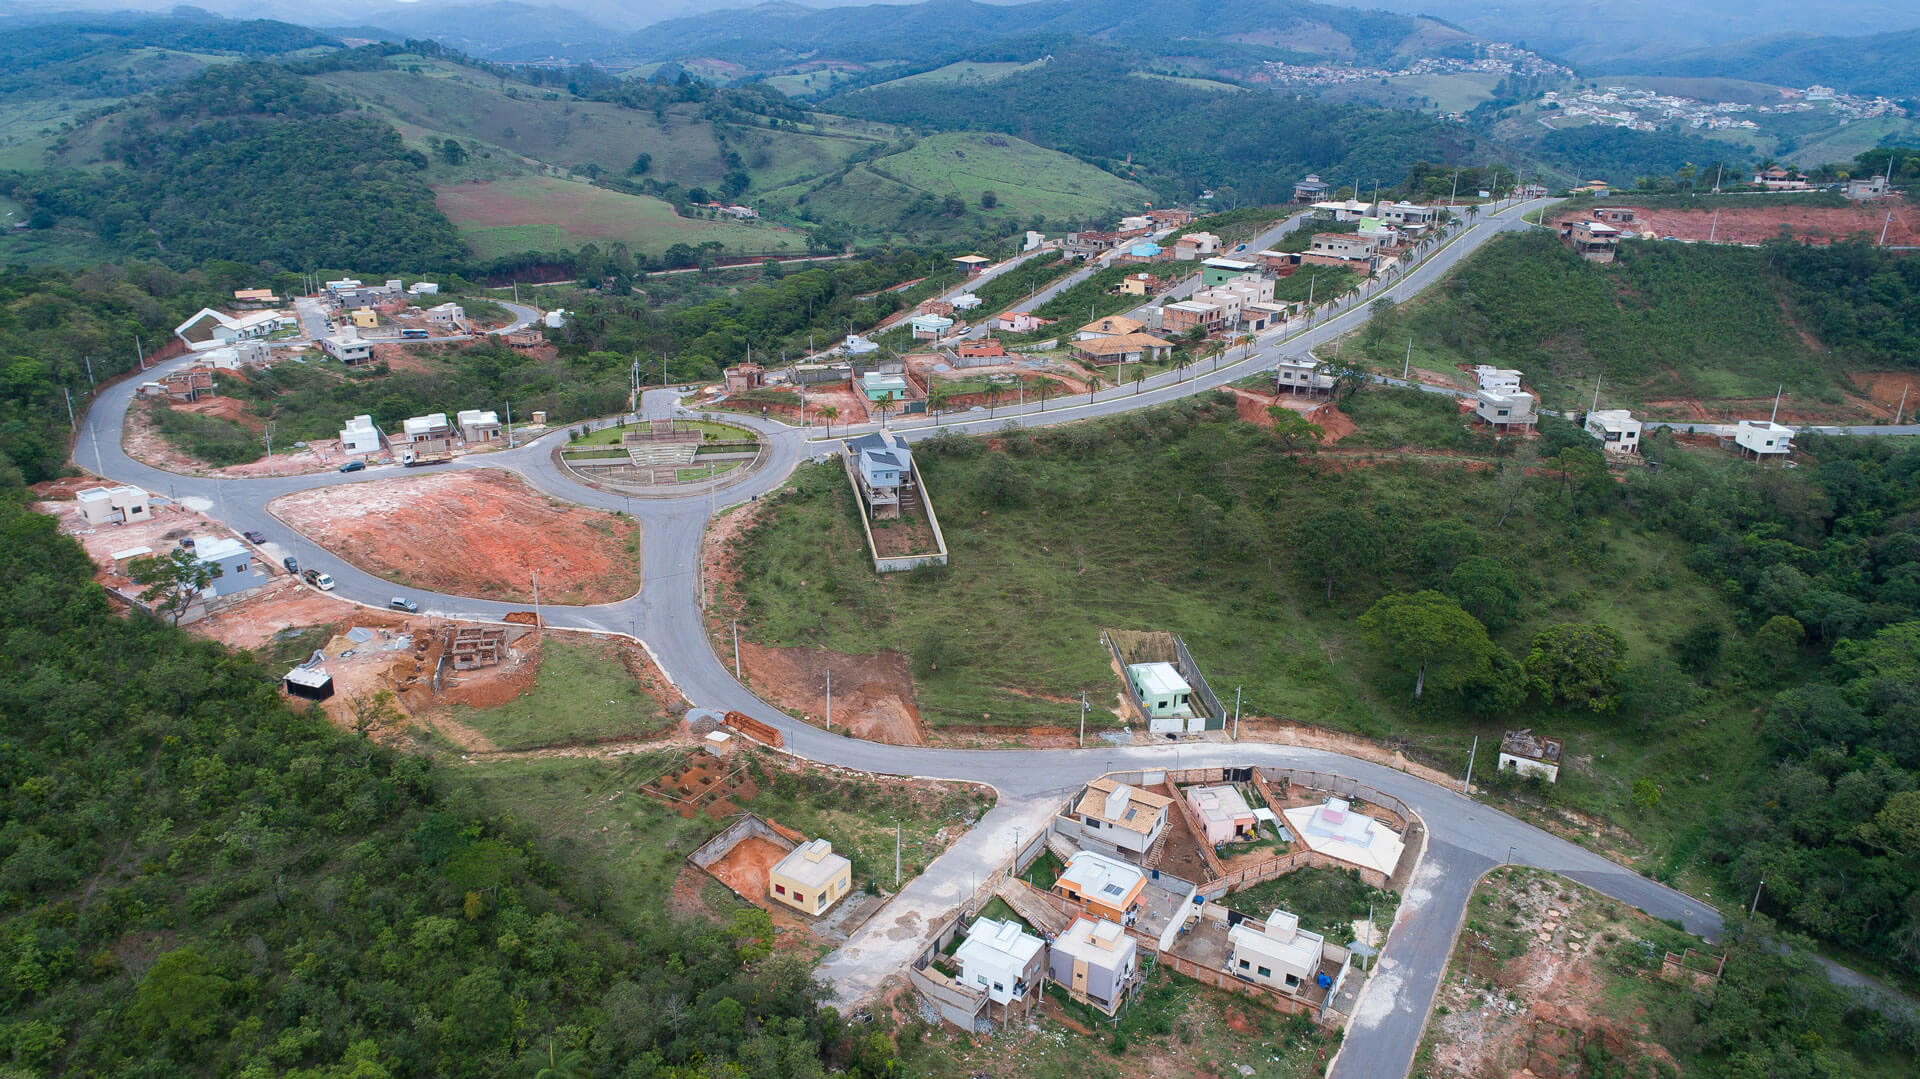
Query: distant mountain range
1887,64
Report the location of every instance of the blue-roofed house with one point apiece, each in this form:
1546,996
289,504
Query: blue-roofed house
884,466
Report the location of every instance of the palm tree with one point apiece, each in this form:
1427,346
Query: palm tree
883,406
1045,387
829,413
1180,362
571,1065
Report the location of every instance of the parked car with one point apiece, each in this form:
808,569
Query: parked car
400,603
187,542
354,466
318,580
255,537
292,564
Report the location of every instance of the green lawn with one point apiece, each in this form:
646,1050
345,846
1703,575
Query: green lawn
1181,519
541,213
964,73
1190,83
1328,901
581,693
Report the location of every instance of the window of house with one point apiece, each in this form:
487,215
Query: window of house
998,988
1264,972
1245,965
779,889
1091,823
798,898
1292,981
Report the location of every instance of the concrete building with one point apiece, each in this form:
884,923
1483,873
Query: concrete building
744,376
364,318
856,345
1222,812
1349,210
1196,245
880,386
1141,284
347,348
424,288
1523,753
1505,410
1763,438
1301,374
360,437
1216,271
1279,954
208,328
810,878
449,314
1591,240
125,504
1126,348
433,425
1163,695
1094,960
965,302
1408,216
1619,216
1311,189
929,327
478,427
972,264
1616,429
1184,315
1338,831
1106,887
232,563
883,466
1872,187
1353,251
1002,960
1021,322
1121,816
1497,379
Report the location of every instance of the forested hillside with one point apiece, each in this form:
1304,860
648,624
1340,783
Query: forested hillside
1172,138
1670,320
197,880
1886,63
297,181
90,57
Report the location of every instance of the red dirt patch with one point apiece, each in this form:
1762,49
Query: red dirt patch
872,695
481,532
1810,224
746,866
144,443
1334,424
1885,389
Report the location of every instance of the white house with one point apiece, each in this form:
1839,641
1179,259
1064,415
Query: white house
125,504
424,288
449,313
360,436
347,348
1497,379
929,327
478,426
1302,374
422,428
1120,816
1763,438
1093,959
1001,959
208,328
884,466
1524,753
1280,954
1337,830
1616,429
232,563
966,301
1503,410
345,284
1165,697
554,319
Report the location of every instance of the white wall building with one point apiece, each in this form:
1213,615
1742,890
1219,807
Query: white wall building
422,428
1511,409
360,436
1616,429
1497,379
125,504
1302,374
1763,438
1281,954
1001,959
478,426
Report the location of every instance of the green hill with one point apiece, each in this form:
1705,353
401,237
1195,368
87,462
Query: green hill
1026,180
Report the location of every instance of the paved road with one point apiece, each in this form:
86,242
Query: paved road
1466,837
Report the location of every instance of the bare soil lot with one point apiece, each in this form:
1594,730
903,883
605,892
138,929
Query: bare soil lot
872,695
1810,224
480,532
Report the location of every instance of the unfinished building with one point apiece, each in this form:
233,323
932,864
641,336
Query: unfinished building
473,647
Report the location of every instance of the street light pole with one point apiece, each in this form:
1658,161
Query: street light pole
1083,720
1467,787
829,700
1236,713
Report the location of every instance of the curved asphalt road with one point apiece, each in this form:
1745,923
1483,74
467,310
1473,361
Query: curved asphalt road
1465,838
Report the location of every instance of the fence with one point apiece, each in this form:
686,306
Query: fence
895,563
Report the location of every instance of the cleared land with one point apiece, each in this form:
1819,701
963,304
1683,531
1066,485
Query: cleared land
569,690
480,532
1806,224
541,213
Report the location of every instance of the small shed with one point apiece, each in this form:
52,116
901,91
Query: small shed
310,683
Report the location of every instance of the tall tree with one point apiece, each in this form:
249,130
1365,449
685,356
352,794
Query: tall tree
1578,664
1333,543
1429,634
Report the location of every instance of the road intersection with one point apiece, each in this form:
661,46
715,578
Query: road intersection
1465,837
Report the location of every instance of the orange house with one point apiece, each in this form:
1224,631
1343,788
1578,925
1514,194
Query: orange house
1105,887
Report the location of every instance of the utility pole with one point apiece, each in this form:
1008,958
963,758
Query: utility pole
140,352
829,700
736,649
71,424
1776,403
536,599
509,424
1407,366
1236,713
269,438
1467,787
1885,227
896,854
89,360
1903,404
1083,719
1596,394
1755,909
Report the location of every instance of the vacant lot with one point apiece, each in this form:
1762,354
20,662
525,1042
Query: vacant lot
480,532
1807,224
579,690
540,213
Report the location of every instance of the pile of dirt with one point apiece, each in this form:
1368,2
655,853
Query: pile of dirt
1334,424
481,532
1807,224
872,694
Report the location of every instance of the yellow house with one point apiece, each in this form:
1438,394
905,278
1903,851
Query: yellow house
364,318
810,878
